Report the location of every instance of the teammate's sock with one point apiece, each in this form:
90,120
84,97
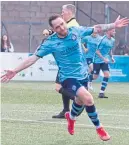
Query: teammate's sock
66,102
104,84
93,115
64,92
76,109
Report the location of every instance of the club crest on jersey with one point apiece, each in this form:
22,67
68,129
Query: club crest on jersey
74,37
74,88
94,71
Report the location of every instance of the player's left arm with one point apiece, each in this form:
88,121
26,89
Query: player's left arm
111,55
85,31
84,47
84,44
101,56
99,47
119,23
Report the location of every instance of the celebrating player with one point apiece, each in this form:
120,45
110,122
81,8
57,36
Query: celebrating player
65,46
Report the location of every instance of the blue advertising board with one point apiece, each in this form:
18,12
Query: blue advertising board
119,71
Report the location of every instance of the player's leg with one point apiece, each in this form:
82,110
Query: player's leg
65,100
62,90
105,69
71,85
88,101
66,96
84,98
96,70
85,84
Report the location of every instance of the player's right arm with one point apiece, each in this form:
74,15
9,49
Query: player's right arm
25,64
84,44
43,50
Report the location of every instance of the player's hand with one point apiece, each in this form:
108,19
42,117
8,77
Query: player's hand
121,22
106,60
113,60
45,32
7,76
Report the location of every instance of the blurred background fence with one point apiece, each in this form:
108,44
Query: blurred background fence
25,20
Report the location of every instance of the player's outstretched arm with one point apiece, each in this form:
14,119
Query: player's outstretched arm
119,23
25,64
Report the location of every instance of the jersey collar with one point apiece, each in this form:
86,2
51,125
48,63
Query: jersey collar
70,20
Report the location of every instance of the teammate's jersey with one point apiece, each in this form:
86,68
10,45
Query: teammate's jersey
72,22
91,43
67,52
105,46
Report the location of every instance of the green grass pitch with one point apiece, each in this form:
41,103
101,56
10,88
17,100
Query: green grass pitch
27,109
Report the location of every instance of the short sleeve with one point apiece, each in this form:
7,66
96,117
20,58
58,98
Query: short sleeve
85,31
84,40
44,49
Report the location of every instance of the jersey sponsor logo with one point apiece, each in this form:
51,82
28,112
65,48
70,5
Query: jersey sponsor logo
69,50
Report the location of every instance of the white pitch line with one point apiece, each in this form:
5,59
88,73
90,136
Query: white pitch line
62,123
101,114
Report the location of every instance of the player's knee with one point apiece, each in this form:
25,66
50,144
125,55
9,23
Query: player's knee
58,87
89,100
106,74
85,96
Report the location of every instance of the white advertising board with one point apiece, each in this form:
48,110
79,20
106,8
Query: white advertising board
43,70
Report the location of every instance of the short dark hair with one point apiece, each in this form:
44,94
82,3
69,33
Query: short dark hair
53,17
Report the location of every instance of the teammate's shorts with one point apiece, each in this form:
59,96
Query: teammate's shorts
89,61
100,66
72,85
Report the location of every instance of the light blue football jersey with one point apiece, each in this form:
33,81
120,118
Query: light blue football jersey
91,44
67,52
105,46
